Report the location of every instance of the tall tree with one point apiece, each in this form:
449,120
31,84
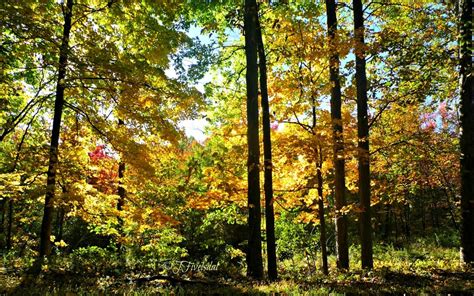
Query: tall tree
363,138
467,136
46,226
120,190
338,140
267,155
254,251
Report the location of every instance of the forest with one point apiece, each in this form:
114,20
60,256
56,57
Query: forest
236,147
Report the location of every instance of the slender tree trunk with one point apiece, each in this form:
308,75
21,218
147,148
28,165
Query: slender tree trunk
406,212
437,214
451,208
388,228
363,136
45,243
423,218
433,213
121,190
60,220
121,194
397,229
322,221
338,140
267,154
254,252
467,135
60,223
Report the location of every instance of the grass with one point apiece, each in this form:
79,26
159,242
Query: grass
418,269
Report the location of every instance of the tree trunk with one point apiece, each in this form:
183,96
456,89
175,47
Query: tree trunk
423,217
397,229
406,219
338,140
121,190
267,155
45,243
467,135
322,222
254,252
121,194
388,228
60,219
60,223
363,136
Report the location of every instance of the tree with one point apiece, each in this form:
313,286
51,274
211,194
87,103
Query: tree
467,135
338,140
267,155
254,252
121,189
363,138
46,226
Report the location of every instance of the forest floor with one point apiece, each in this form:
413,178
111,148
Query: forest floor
377,282
420,270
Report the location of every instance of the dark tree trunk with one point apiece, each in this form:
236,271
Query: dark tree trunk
267,155
121,190
254,252
363,136
406,212
60,220
397,229
121,194
338,140
423,218
433,213
60,223
388,228
467,135
45,243
322,221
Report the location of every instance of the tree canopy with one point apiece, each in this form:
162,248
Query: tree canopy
217,142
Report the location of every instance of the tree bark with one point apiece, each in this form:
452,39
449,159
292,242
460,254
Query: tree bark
121,194
254,252
363,136
342,248
388,228
467,135
267,155
45,243
121,190
60,223
406,219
